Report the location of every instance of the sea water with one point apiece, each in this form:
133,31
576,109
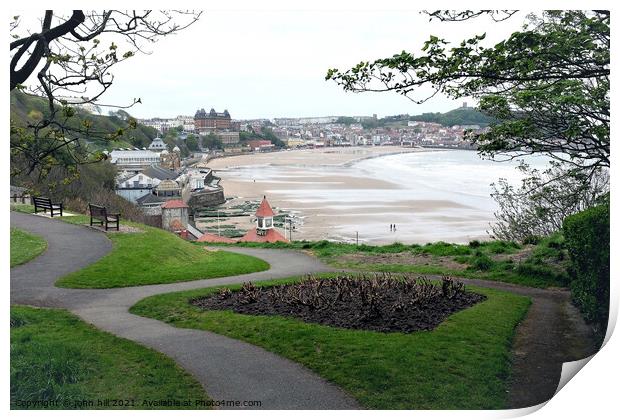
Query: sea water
429,196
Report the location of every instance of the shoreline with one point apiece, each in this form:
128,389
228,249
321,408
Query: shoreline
220,163
340,194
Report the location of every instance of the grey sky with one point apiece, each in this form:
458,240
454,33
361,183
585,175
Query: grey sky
273,63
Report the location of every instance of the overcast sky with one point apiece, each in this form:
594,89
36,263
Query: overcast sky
273,64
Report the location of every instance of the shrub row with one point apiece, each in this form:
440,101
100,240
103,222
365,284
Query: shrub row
587,241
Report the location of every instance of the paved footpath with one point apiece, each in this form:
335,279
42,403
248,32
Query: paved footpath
233,370
228,369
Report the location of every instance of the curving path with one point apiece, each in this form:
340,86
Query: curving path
228,369
552,333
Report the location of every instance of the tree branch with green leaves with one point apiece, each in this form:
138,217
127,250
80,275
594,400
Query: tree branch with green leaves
68,61
546,85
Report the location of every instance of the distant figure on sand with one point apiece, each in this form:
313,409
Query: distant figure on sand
394,227
390,227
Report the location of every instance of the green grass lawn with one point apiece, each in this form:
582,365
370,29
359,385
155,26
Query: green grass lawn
463,364
543,267
524,274
22,208
57,358
25,246
155,256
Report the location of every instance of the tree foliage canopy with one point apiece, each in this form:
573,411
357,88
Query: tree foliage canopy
545,199
547,85
68,60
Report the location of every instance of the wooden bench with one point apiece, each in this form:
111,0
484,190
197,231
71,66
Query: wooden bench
46,204
99,215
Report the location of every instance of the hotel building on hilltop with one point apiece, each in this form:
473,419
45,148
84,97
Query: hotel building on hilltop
212,121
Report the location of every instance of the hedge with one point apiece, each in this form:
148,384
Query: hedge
587,241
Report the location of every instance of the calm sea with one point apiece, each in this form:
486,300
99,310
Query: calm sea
429,196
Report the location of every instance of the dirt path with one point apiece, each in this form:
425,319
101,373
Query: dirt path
553,332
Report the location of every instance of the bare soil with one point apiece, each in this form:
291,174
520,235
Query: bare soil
388,315
517,257
405,258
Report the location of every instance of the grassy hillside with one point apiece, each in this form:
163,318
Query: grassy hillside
542,265
147,255
459,116
25,108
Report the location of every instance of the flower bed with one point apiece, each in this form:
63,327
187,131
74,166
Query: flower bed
380,302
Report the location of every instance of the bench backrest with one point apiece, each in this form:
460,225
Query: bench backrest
42,201
97,211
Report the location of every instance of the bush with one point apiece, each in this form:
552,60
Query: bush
109,199
587,240
538,270
474,244
482,263
531,240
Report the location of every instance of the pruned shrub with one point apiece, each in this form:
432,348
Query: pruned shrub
587,240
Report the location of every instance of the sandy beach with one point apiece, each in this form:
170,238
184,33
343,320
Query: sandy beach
344,193
310,157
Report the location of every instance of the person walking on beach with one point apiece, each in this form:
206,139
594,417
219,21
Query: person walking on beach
394,227
390,227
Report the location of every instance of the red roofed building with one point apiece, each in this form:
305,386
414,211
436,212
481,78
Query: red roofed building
175,216
264,209
174,204
265,231
209,237
260,145
271,235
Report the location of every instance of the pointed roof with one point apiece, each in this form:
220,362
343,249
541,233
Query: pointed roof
264,209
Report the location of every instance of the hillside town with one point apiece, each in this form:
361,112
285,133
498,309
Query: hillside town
310,132
154,175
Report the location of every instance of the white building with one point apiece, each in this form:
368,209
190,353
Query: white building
187,121
133,160
157,145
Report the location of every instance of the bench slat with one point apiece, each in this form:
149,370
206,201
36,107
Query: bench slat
45,203
104,218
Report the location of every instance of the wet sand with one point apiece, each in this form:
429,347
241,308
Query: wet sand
310,157
344,193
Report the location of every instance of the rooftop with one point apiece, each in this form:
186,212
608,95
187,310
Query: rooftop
115,154
271,235
167,185
174,204
209,237
157,172
264,209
